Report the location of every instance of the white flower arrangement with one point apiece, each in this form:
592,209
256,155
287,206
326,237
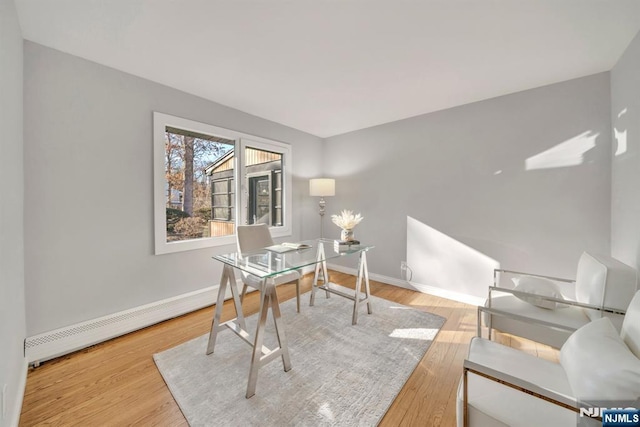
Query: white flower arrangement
346,220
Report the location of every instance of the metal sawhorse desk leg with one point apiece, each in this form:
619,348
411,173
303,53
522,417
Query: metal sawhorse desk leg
363,276
261,354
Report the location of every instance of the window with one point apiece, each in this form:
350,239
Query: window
222,199
264,177
189,191
199,171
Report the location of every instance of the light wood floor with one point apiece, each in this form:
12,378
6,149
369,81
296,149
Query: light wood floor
116,383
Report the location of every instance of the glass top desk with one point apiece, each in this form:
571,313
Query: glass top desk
266,264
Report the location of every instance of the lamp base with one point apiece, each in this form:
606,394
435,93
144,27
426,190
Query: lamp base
321,204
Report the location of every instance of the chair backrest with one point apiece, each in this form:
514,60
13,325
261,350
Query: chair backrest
631,326
252,237
604,282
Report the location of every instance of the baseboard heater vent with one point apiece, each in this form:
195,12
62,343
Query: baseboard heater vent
58,342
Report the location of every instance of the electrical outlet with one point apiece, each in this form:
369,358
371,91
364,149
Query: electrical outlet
405,271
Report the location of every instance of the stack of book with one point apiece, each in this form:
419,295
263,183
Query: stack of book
345,245
287,247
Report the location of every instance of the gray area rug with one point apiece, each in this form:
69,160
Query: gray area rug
342,374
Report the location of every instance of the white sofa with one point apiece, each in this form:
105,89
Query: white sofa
603,288
502,386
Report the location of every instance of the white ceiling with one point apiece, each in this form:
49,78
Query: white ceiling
332,66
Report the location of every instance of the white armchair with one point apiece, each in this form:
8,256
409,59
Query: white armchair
539,310
599,367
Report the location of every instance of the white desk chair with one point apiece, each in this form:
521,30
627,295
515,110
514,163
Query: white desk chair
252,237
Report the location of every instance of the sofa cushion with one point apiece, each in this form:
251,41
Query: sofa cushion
631,326
599,365
604,282
539,286
511,361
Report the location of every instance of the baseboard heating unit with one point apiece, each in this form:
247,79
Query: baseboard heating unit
58,342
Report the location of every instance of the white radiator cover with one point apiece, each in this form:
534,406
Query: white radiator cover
58,342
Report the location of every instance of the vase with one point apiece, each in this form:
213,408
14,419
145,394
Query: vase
346,235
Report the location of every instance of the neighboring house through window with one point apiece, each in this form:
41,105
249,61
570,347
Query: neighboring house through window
263,170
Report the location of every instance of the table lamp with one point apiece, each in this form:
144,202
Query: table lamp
322,187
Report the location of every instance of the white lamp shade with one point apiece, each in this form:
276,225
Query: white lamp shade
322,187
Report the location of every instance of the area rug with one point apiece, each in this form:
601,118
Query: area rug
341,374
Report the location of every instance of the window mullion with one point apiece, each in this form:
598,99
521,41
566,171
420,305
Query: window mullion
242,193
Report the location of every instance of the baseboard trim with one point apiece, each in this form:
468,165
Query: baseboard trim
308,269
445,293
58,342
373,276
425,289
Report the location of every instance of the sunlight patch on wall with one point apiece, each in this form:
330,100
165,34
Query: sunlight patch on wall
568,153
621,137
440,261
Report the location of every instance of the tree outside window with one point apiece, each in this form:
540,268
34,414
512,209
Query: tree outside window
188,202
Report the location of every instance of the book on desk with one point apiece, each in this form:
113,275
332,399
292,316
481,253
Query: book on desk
287,247
345,245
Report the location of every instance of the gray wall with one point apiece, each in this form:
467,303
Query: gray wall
463,172
89,193
12,305
625,117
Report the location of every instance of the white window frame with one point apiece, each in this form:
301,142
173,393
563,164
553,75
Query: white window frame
242,140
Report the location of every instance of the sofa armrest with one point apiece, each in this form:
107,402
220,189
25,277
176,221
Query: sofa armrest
520,273
559,399
557,300
495,312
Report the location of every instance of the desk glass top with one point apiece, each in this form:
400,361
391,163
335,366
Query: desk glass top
264,263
